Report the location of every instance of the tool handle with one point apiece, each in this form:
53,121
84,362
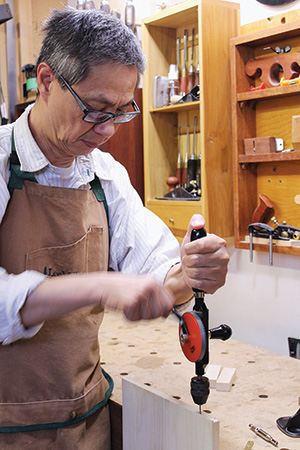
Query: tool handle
172,183
197,234
190,80
179,175
191,171
196,80
183,82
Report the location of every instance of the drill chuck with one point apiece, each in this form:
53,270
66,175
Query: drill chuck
200,389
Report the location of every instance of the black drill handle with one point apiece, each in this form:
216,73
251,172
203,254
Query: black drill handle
223,332
198,234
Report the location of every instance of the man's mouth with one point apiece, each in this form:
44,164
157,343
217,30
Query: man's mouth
89,144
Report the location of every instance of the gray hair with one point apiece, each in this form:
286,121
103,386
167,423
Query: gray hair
76,40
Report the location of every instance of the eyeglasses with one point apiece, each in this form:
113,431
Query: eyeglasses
94,116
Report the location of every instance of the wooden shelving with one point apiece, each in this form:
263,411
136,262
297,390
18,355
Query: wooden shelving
260,113
214,23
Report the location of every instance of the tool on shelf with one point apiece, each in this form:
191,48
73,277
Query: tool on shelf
177,56
179,168
130,15
194,334
196,80
192,162
89,4
31,82
282,232
172,183
191,74
105,6
185,163
183,78
290,425
264,211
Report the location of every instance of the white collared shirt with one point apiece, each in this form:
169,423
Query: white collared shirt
139,241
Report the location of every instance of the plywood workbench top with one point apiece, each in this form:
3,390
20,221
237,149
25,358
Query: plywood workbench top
267,385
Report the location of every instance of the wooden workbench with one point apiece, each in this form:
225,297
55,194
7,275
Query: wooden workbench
267,385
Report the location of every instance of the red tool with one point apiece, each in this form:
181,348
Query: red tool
194,335
258,88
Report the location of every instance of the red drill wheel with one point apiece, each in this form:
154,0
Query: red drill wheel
194,344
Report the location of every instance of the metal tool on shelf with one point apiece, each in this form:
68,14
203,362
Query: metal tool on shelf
183,78
282,232
192,162
191,73
194,334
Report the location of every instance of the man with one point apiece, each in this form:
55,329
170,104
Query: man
68,215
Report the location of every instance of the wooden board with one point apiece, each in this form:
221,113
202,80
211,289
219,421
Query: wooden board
155,421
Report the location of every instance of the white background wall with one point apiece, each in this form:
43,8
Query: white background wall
260,303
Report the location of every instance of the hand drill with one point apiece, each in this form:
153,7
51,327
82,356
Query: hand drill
194,334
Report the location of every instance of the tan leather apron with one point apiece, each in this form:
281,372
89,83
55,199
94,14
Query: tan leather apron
53,394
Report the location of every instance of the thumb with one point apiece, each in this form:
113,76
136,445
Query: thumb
196,222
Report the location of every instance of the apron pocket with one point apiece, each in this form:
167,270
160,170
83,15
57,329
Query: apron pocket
84,255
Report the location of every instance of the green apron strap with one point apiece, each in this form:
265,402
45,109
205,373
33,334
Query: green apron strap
99,194
56,425
17,177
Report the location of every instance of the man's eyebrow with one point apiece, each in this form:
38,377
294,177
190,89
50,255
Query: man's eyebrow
106,101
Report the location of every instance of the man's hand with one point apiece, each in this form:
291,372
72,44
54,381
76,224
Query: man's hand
139,297
204,261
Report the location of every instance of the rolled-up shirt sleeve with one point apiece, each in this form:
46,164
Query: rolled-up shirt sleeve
14,290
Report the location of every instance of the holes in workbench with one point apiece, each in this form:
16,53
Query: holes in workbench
153,353
224,353
176,363
114,339
123,374
176,397
157,329
263,396
147,384
131,345
102,363
207,411
251,362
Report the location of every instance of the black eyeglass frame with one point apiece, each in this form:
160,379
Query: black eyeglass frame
108,115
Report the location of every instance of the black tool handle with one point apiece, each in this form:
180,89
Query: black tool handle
201,308
198,234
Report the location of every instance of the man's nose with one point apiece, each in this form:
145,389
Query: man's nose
106,129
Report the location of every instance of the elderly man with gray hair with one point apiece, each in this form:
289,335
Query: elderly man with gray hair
75,238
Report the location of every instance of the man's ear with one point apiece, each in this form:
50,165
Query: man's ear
45,77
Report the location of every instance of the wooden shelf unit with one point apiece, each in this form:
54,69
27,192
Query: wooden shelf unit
215,23
266,112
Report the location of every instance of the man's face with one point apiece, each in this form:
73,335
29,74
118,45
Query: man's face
110,88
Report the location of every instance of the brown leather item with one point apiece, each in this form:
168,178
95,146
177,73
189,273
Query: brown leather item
55,376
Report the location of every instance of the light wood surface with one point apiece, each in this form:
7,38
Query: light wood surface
267,385
155,421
